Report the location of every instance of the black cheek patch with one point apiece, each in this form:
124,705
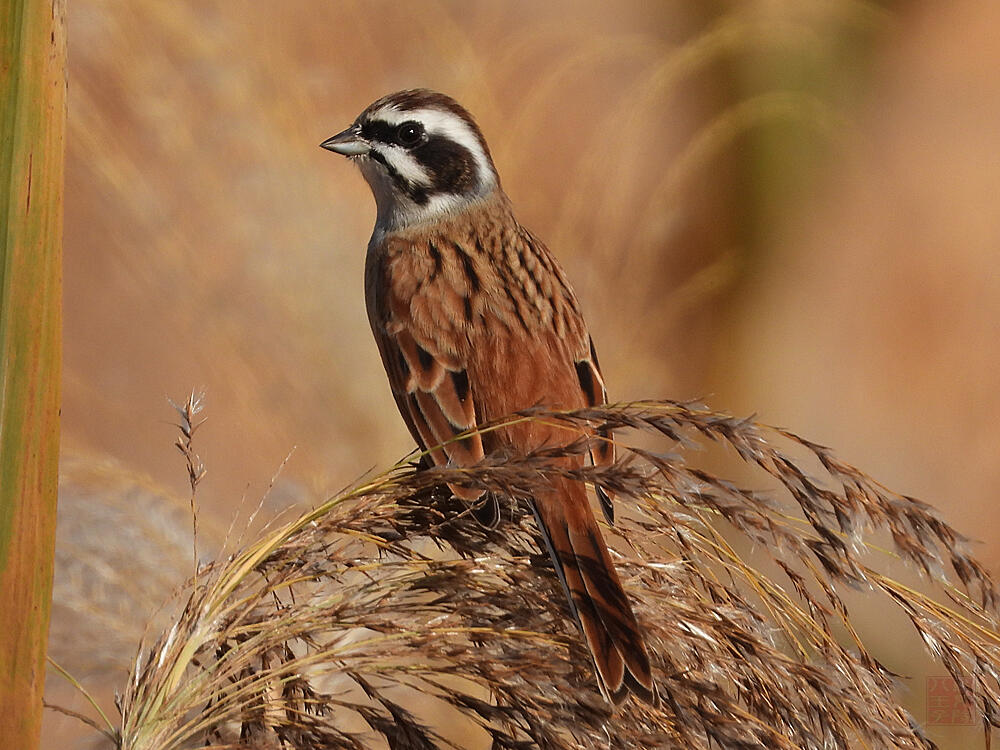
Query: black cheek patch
451,165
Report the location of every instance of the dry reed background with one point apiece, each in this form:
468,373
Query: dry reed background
788,206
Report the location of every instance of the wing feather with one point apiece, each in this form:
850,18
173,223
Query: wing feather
602,450
436,400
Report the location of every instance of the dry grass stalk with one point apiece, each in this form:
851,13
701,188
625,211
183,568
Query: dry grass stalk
188,412
323,633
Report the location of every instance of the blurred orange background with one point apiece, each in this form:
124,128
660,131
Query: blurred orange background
781,208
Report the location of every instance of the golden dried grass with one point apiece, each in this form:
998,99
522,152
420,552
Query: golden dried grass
343,627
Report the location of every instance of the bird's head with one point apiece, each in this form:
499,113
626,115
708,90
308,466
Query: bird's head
422,154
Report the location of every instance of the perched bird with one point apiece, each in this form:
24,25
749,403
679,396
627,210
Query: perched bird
474,320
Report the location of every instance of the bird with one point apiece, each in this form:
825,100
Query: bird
475,320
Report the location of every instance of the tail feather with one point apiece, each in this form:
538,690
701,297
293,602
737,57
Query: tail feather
596,597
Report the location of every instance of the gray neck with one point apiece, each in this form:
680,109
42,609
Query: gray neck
396,210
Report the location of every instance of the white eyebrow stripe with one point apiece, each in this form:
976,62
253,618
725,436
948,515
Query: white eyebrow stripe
449,125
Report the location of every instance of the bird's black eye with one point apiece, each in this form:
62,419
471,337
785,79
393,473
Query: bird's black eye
410,133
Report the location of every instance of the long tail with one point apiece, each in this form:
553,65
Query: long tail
595,593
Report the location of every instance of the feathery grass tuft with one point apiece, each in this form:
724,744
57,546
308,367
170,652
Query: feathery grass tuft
347,626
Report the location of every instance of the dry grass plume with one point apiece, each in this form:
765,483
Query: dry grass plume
347,626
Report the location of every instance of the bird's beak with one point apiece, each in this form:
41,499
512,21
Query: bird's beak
348,143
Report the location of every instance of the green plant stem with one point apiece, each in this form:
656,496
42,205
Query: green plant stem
32,130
